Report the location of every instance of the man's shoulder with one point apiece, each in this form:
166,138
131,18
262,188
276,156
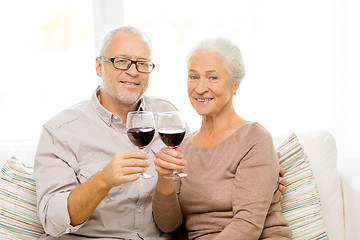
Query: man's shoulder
152,99
68,115
158,104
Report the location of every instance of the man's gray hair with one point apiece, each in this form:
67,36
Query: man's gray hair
228,51
104,43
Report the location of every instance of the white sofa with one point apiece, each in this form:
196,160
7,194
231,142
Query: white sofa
338,182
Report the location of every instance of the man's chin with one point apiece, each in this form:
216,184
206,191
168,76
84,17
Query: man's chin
129,100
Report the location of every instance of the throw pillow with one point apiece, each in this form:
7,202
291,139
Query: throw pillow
18,211
301,203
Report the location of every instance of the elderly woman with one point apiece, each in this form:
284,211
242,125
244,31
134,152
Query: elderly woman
231,189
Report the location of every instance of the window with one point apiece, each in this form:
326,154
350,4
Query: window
175,27
299,57
47,62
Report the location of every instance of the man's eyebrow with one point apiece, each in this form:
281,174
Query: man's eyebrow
129,57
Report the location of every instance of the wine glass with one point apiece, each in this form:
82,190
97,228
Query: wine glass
171,128
140,128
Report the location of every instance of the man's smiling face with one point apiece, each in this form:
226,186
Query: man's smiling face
124,86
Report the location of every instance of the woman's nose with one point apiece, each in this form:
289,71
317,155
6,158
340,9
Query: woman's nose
202,86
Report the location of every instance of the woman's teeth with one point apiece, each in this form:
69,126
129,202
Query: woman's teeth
204,100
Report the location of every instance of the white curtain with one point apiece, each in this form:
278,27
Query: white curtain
301,59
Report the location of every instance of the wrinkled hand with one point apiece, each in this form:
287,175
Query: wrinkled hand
124,167
168,159
281,180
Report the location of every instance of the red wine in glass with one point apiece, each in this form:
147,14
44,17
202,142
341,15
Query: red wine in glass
140,127
171,128
141,137
172,137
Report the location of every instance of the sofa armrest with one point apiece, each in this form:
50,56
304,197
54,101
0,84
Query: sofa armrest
350,180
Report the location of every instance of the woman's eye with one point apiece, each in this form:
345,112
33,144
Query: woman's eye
193,77
213,78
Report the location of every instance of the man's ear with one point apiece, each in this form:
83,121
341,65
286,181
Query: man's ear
98,66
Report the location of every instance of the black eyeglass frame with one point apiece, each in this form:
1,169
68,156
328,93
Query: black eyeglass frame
132,62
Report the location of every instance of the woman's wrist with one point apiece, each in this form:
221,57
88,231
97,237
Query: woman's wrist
165,186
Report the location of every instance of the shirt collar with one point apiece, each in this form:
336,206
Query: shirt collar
142,105
105,114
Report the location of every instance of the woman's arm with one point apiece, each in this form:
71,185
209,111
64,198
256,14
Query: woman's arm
254,186
166,208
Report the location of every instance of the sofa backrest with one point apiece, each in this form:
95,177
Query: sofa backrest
320,147
24,150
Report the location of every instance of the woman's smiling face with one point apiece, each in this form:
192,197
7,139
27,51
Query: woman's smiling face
210,87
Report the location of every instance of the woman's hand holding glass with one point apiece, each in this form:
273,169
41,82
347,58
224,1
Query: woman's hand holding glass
167,160
172,128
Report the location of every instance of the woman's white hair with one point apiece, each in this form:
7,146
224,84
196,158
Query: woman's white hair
104,43
228,51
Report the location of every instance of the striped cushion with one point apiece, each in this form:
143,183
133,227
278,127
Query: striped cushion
18,213
301,203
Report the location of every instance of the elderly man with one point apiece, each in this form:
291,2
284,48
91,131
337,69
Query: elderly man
85,166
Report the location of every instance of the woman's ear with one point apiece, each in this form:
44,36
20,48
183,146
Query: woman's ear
235,88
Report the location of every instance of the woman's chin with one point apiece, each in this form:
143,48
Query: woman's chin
202,113
202,110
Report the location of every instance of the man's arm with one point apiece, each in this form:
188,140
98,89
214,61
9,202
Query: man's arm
83,200
55,171
123,168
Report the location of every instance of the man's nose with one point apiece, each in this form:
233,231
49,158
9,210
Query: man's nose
132,69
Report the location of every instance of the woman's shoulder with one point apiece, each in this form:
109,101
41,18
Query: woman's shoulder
256,132
256,128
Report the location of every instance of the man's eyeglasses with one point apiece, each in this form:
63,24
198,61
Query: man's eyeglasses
121,63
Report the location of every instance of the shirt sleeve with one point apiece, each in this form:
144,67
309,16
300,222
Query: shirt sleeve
52,189
253,190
